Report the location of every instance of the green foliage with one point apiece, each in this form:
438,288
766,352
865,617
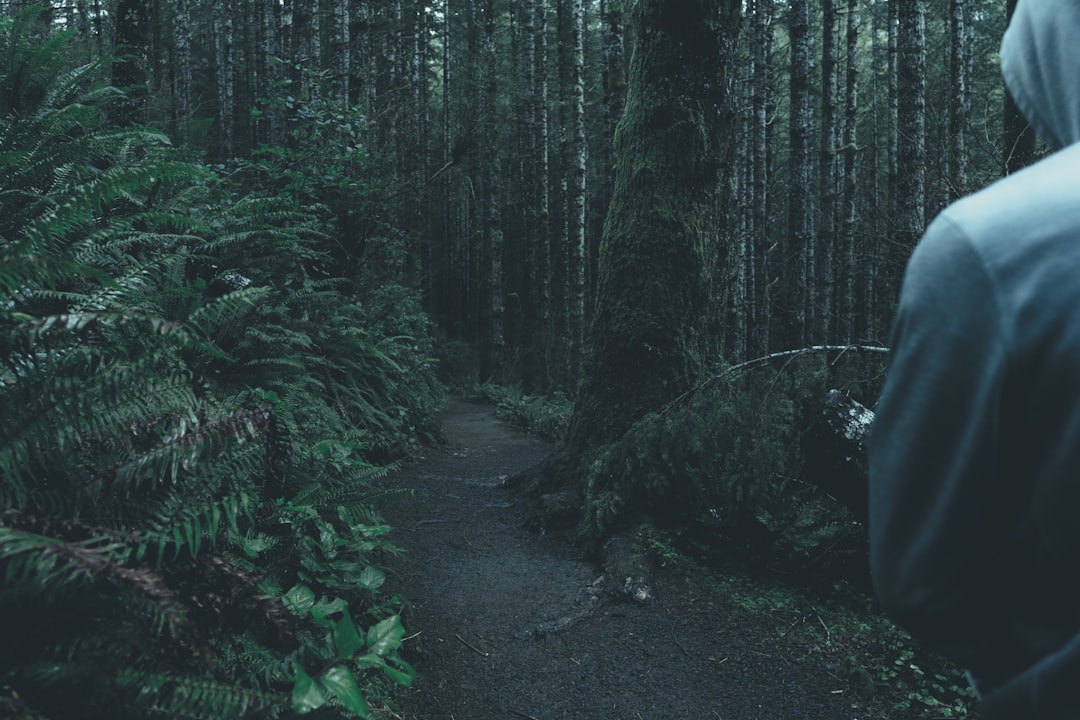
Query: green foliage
724,469
545,416
191,403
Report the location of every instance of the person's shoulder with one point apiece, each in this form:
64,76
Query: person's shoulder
1043,199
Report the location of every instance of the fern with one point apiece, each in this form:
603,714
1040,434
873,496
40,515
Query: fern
176,450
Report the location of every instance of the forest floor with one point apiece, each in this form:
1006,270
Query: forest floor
505,621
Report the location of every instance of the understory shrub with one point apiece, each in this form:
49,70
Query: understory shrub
723,467
547,416
192,408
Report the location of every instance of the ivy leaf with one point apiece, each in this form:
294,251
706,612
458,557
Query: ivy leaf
307,695
385,636
321,611
299,599
372,578
339,681
369,660
346,639
404,676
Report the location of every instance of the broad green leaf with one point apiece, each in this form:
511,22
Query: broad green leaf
346,639
300,599
385,636
307,695
323,609
340,681
404,676
372,578
369,660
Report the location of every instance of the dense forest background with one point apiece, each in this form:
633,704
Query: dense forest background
473,141
245,247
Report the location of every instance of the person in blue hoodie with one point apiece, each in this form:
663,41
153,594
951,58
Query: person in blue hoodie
974,514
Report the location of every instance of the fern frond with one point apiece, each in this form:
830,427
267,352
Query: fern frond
172,696
52,563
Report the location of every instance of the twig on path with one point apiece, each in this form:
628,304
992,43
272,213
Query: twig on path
420,523
676,640
524,715
828,634
476,650
465,536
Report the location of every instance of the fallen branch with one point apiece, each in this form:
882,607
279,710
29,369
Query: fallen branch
732,371
475,649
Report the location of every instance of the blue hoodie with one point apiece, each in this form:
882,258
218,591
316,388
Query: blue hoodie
975,450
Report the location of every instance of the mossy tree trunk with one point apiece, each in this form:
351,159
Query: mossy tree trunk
647,342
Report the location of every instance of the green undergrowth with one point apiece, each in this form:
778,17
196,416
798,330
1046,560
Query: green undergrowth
725,469
544,416
197,410
879,670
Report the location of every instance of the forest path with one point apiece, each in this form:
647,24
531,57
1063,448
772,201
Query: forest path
505,622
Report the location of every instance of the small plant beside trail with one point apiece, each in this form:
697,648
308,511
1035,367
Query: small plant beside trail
544,416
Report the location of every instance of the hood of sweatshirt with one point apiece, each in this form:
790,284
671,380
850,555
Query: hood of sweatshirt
1040,60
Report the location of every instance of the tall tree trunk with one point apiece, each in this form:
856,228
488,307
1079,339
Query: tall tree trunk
224,62
646,343
339,54
827,169
803,238
182,73
542,248
613,78
132,40
959,101
760,314
910,123
490,314
579,151
1019,137
850,158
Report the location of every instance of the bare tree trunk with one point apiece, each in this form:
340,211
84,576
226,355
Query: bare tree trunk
647,342
760,314
959,100
307,46
132,40
850,159
910,124
339,54
614,96
224,63
577,192
490,315
542,248
803,238
827,228
1019,137
182,83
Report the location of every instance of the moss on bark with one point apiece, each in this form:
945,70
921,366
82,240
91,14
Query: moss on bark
647,343
648,340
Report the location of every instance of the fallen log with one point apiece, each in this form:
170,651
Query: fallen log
835,452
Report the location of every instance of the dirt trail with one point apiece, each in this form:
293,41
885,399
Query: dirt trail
508,625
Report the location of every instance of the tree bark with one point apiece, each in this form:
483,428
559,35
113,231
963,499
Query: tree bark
910,190
959,101
132,40
1019,137
850,167
827,172
802,236
577,192
224,62
646,344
